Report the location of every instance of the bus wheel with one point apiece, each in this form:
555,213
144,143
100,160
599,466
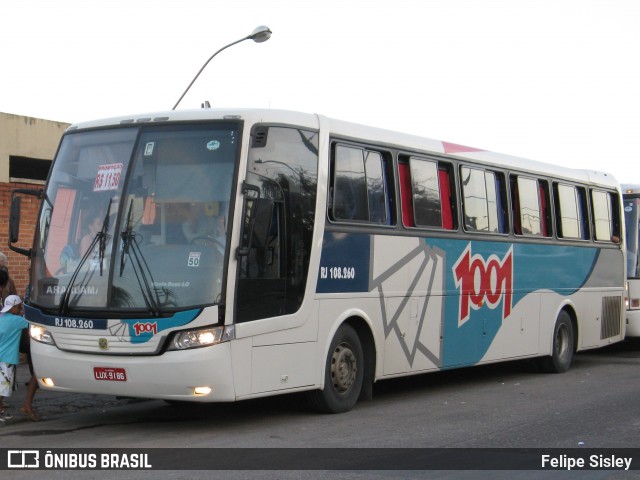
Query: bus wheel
562,353
344,373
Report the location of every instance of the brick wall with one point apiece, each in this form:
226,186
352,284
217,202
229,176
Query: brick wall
23,138
18,264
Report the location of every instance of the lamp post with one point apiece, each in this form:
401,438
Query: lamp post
260,34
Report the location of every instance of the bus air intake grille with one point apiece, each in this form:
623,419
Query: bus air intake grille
611,308
105,343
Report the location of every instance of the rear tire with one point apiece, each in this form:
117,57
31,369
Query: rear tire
344,373
563,346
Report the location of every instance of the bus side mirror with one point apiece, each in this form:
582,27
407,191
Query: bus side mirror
258,225
14,218
251,195
247,231
257,221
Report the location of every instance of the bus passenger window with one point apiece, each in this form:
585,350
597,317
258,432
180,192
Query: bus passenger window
605,224
482,197
427,209
360,190
526,206
349,187
377,191
568,212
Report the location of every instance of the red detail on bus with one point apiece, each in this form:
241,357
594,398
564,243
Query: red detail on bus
445,199
406,195
455,148
145,327
495,280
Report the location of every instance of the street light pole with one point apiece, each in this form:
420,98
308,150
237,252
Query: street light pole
259,35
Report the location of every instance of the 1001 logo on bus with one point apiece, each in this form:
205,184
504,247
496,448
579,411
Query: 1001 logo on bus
483,282
145,327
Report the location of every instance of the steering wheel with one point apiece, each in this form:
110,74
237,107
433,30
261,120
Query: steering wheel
206,240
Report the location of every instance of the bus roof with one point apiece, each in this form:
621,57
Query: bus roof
340,128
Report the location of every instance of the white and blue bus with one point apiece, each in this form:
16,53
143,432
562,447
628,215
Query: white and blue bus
221,255
631,199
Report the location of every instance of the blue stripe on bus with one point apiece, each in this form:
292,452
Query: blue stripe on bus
562,269
559,268
34,315
140,330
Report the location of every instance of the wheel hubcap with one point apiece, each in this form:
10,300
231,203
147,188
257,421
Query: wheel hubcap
562,345
343,368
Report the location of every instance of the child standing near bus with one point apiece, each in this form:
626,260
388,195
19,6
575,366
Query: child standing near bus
11,326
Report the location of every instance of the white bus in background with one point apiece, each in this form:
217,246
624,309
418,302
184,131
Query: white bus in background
245,253
631,199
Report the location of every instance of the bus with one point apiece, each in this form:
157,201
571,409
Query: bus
216,255
631,199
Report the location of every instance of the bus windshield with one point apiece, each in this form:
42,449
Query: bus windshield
117,198
632,222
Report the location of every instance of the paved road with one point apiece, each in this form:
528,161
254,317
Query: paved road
53,405
596,405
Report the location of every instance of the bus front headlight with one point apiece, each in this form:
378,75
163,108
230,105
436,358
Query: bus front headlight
41,334
202,337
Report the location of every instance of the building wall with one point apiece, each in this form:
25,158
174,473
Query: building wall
32,138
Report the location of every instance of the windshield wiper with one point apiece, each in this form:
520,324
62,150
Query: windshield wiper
127,237
48,208
101,239
130,248
102,236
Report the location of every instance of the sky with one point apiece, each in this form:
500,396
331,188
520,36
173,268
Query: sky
552,80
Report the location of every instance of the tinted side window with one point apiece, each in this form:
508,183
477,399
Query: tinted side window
606,225
568,212
360,190
526,206
481,192
349,185
278,222
427,210
376,188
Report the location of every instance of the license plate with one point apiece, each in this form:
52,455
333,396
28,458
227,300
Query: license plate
110,374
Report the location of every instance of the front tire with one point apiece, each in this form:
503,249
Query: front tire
344,373
563,346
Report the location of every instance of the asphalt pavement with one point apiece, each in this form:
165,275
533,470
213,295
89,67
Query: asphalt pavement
53,404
